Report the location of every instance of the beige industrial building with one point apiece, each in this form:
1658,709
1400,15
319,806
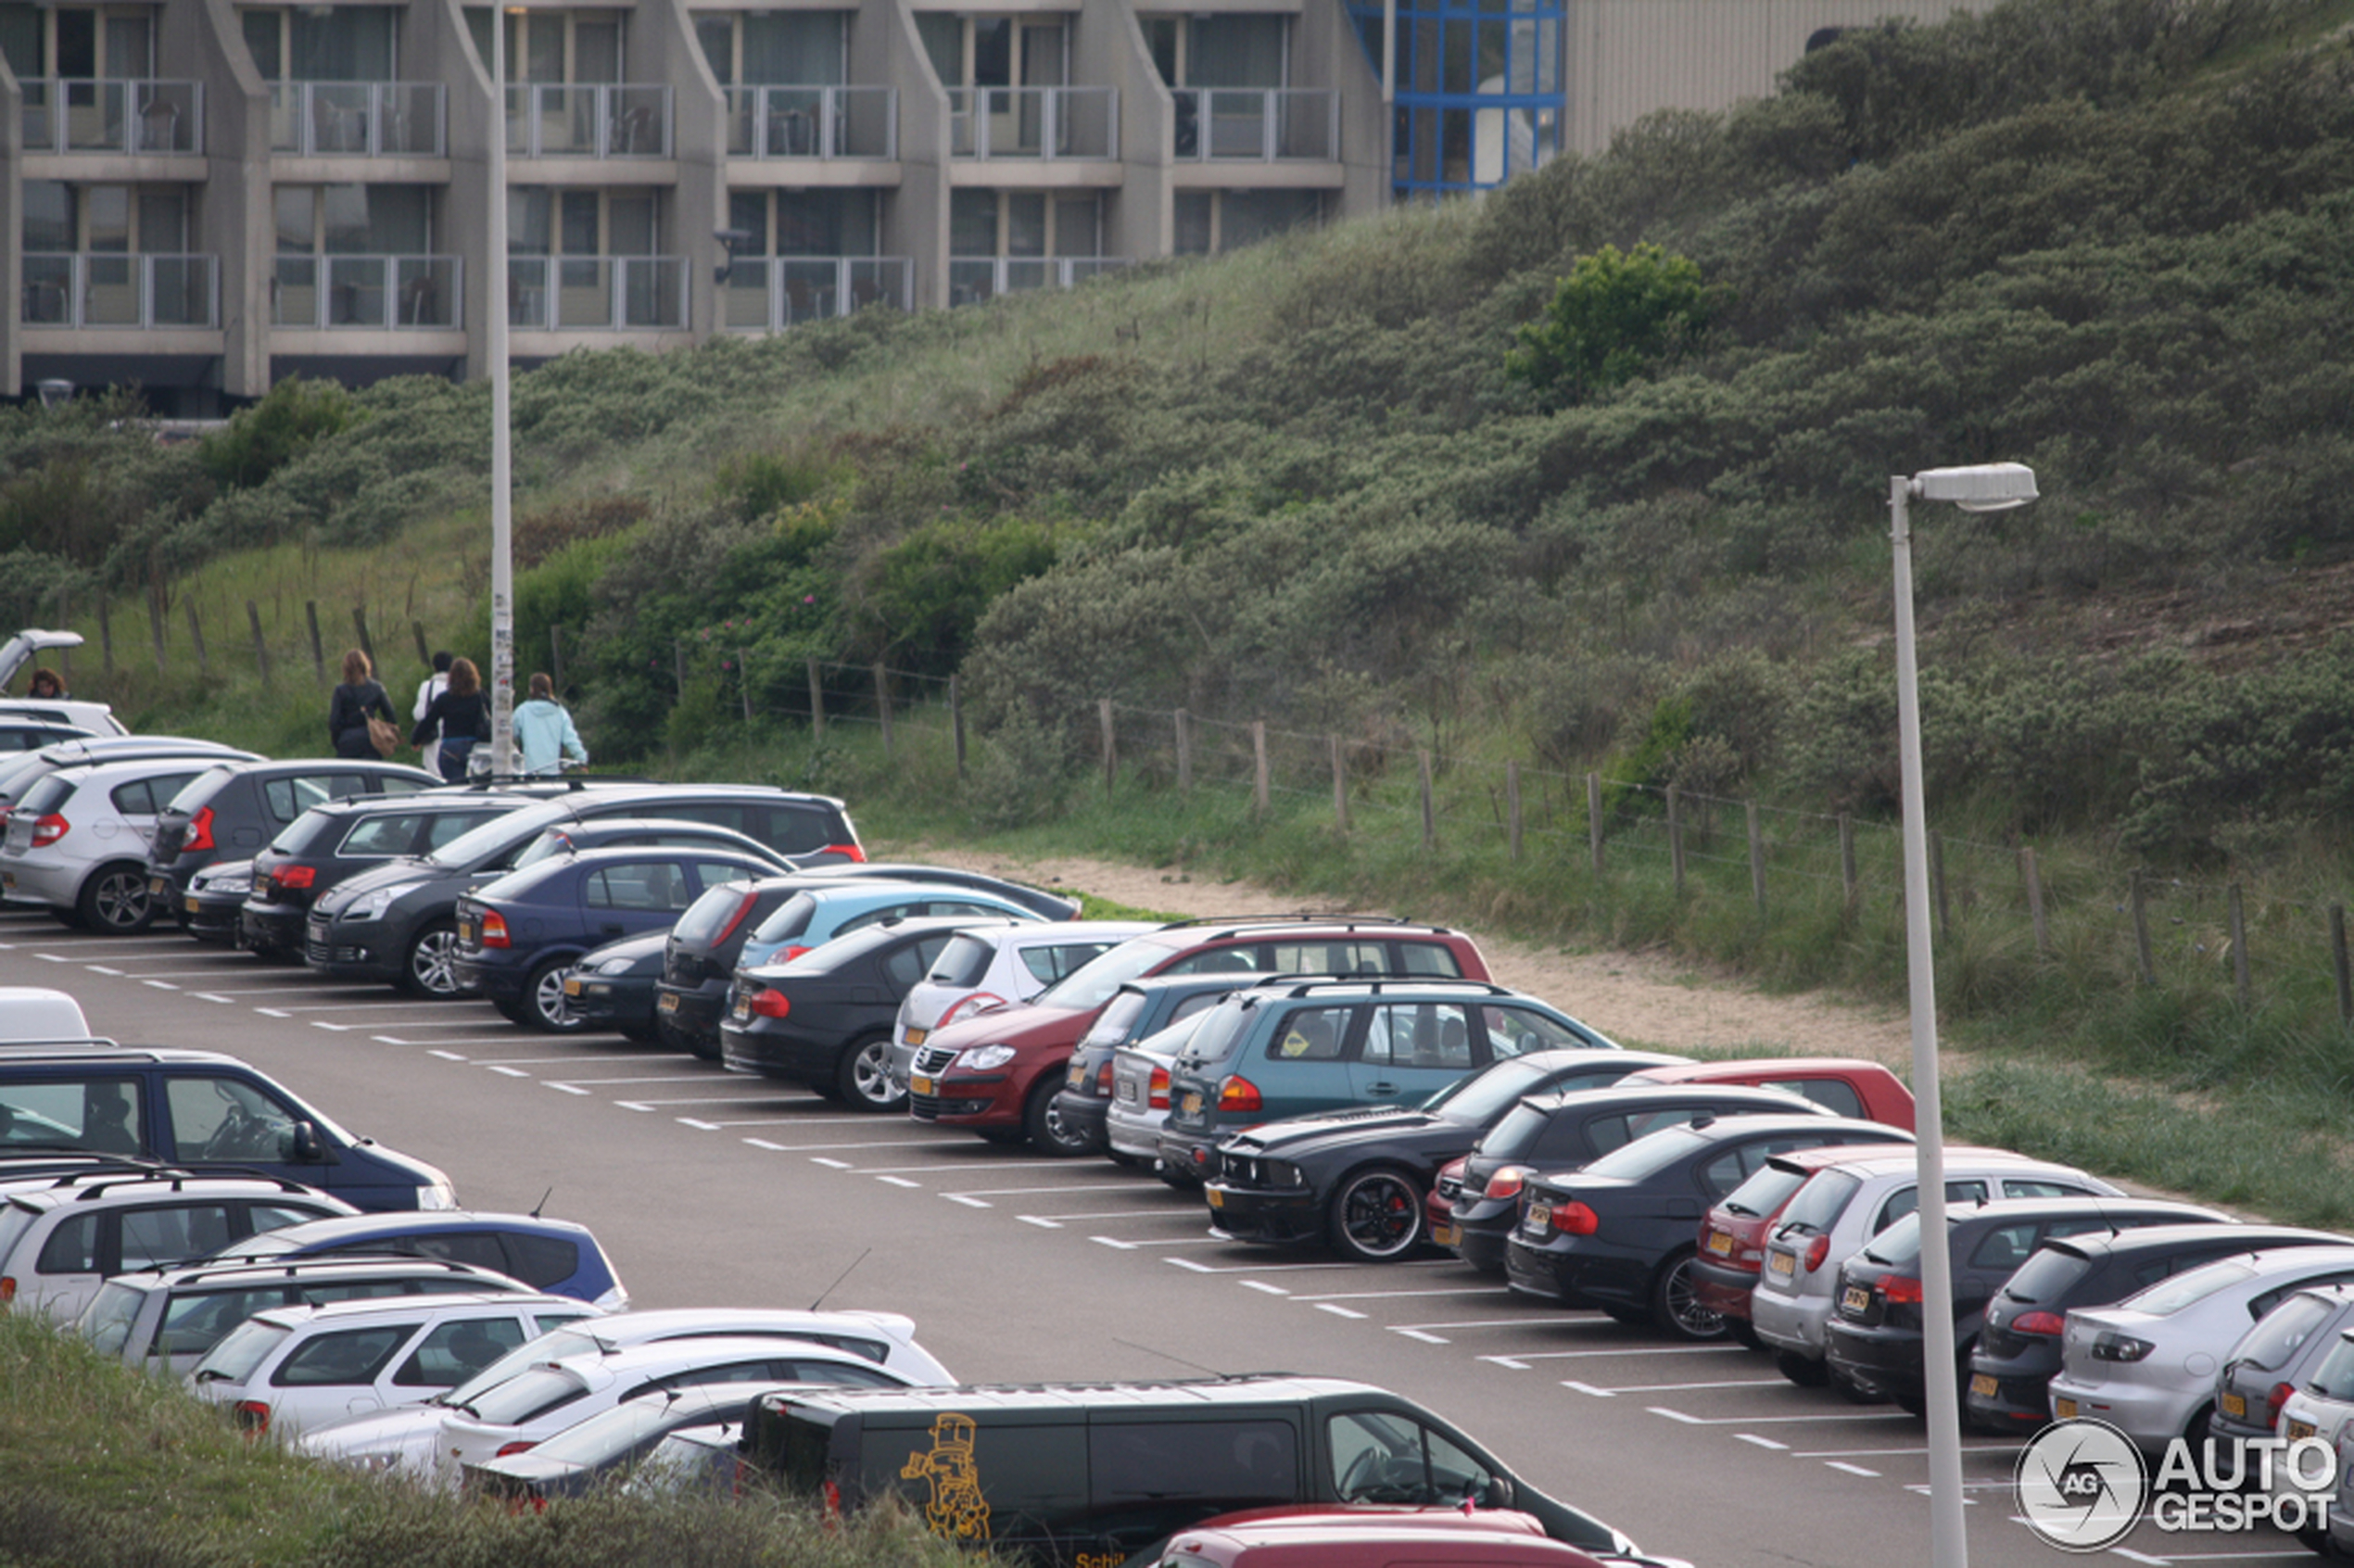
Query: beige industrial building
202,197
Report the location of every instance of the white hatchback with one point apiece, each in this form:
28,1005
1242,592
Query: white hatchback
1000,967
288,1368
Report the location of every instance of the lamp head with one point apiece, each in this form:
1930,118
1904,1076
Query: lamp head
1990,486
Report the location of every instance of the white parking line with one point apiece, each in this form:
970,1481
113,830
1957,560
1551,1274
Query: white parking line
937,1166
737,1099
1338,1312
333,1007
601,1083
447,1055
1856,1469
573,1061
1762,1442
273,991
1043,1223
1114,1214
1023,1191
1775,1421
1119,1245
161,984
837,1164
1262,1284
2012,1449
565,1089
102,970
1282,1268
1519,1362
1392,1295
1677,1388
1505,1323
968,1201
896,1182
322,1023
207,996
479,1039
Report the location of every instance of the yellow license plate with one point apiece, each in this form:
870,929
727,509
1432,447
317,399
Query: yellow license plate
1216,1198
2063,1410
666,1003
572,985
1539,1218
1191,1105
2299,1430
158,886
1855,1300
1445,1235
741,1008
918,1036
1075,1076
465,933
1720,1243
1783,1263
919,1085
2235,1405
1983,1386
194,904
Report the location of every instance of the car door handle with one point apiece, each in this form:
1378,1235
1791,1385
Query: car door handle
1381,1089
611,929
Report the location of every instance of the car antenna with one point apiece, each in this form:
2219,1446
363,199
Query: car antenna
1181,1360
838,1278
542,1203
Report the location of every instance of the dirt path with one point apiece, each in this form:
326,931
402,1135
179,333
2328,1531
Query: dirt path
1638,1000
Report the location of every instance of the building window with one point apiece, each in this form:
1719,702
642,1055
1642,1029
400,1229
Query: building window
776,48
147,219
1233,51
79,44
1210,222
1479,89
355,219
321,43
983,223
969,51
554,46
544,220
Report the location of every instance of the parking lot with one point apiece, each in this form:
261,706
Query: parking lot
1701,1451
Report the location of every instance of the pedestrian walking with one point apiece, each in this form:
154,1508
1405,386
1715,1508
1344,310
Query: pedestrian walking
360,705
455,722
544,730
428,688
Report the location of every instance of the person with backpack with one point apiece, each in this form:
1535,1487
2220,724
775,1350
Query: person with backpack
428,688
544,731
360,700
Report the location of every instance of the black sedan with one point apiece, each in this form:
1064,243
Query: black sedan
613,987
518,933
233,809
824,1018
1874,1338
328,843
1358,1180
2018,1350
1619,1234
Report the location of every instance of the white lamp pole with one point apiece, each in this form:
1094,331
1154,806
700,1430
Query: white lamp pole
502,564
1991,488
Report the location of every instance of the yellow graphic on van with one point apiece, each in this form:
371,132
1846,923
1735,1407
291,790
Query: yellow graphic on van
957,1509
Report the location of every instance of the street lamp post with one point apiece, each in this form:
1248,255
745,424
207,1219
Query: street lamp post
502,570
1989,488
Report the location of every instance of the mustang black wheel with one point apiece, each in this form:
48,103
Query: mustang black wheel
1377,1215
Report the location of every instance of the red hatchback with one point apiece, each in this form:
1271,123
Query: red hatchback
1732,1238
999,1072
1847,1086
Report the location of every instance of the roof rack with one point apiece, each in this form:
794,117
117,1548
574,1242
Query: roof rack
1304,917
1301,985
179,1176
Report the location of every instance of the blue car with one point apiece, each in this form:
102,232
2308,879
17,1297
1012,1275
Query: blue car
813,919
518,933
555,1256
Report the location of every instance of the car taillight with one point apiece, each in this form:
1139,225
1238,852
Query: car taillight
2275,1399
1576,1220
494,929
7,1289
50,829
514,1448
1900,1289
736,919
790,954
771,1003
1103,1079
1239,1093
296,876
2120,1348
2048,1323
199,836
832,1496
1157,1092
1507,1181
252,1417
1816,1252
848,852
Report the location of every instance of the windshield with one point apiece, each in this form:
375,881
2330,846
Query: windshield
1766,1191
494,837
2186,1290
2334,1379
1089,986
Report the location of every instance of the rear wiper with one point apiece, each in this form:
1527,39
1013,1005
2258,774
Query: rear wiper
1741,1209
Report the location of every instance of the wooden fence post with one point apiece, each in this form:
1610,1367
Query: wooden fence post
1675,837
155,621
64,655
1340,785
1756,858
106,637
743,680
556,658
425,654
1184,754
956,723
2239,948
1594,818
816,705
318,648
882,703
261,643
1847,886
1512,808
679,666
360,624
1944,922
1263,785
2032,880
195,636
2142,933
1430,814
2337,962
1111,743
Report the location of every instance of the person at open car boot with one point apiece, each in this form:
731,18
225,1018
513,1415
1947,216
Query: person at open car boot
357,700
544,731
47,685
458,719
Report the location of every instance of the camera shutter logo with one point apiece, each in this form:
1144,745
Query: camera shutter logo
2080,1484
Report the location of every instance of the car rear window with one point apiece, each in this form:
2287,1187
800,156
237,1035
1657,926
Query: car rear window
2270,1343
524,1396
2171,1296
1765,1193
1820,1203
1112,1024
500,835
963,961
310,829
48,796
2048,1273
105,1322
1052,961
1428,959
1092,983
192,1323
1648,1156
787,921
709,915
244,1349
1212,1042
541,1261
2334,1379
202,788
1517,1133
1836,1092
289,798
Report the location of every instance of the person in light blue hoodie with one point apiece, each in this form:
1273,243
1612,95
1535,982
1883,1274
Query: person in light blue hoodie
544,731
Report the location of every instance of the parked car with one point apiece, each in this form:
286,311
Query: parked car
31,1014
2148,1364
1094,1472
59,1240
19,771
230,811
1733,1232
607,1448
1844,1085
612,988
811,919
997,1074
1002,967
21,649
330,842
2018,1350
517,934
163,1319
1360,1180
198,1107
2318,1402
288,1368
1564,1129
23,732
555,1256
1385,1537
1620,1233
1845,1204
824,1018
397,923
669,832
1875,1340
1118,1076
78,840
2274,1362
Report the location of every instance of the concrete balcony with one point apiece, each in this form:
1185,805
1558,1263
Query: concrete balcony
358,119
770,294
821,123
972,279
367,293
124,118
1256,124
596,293
110,289
605,121
1034,123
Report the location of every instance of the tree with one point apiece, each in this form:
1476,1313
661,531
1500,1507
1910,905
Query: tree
1613,314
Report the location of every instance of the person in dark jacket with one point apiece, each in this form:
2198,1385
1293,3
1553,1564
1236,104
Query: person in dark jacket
359,698
47,684
461,716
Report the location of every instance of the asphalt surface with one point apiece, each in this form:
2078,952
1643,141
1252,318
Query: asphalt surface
713,1189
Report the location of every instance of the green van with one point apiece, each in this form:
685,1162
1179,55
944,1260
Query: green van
1084,1475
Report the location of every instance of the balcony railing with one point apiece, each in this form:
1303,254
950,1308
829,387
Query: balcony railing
769,294
551,120
813,123
367,293
112,289
972,279
1256,124
596,293
70,115
357,118
1045,122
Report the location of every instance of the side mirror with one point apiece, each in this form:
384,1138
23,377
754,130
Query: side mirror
1497,1495
306,1143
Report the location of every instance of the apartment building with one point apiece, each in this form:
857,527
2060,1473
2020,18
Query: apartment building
203,196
